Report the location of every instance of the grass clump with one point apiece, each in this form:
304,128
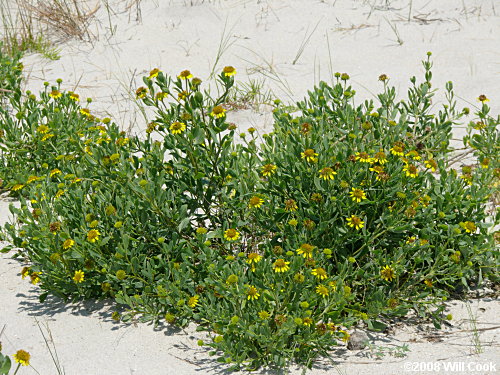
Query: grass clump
344,215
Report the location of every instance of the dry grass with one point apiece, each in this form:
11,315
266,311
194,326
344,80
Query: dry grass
65,18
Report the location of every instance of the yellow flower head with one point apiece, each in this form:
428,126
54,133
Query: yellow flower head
397,150
363,157
22,357
280,265
218,112
431,164
35,277
85,112
387,273
74,97
79,276
357,195
469,226
253,258
255,202
42,129
231,234
414,155
355,222
428,283
252,293
55,94
327,173
307,321
309,155
54,172
68,244
322,290
290,205
154,73
177,127
485,163
193,301
25,272
268,170
229,71
264,315
377,169
320,273
93,235
141,92
482,98
411,170
305,250
380,158
185,74
17,187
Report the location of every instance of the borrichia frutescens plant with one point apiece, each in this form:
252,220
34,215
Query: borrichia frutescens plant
343,214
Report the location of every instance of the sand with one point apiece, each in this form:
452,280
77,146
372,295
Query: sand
286,47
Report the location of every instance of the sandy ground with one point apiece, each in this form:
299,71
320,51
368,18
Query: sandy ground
287,47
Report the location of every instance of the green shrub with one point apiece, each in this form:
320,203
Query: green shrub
343,214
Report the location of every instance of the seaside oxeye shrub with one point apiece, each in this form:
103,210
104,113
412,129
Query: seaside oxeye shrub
343,215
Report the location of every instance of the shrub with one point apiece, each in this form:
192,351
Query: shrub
344,214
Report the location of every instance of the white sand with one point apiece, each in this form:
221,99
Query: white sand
263,38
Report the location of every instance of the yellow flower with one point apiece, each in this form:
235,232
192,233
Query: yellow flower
387,273
141,92
35,277
185,74
345,336
17,187
309,155
54,172
193,301
482,98
355,222
380,158
411,170
307,321
154,73
42,129
201,230
320,273
68,244
22,357
177,127
255,202
85,112
74,97
363,157
357,195
397,150
377,169
252,293
253,258
25,272
161,95
414,155
47,136
428,283
264,315
93,235
231,234
268,169
322,290
327,173
290,205
79,276
55,94
305,250
281,266
293,222
229,71
218,112
431,164
469,226
485,163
